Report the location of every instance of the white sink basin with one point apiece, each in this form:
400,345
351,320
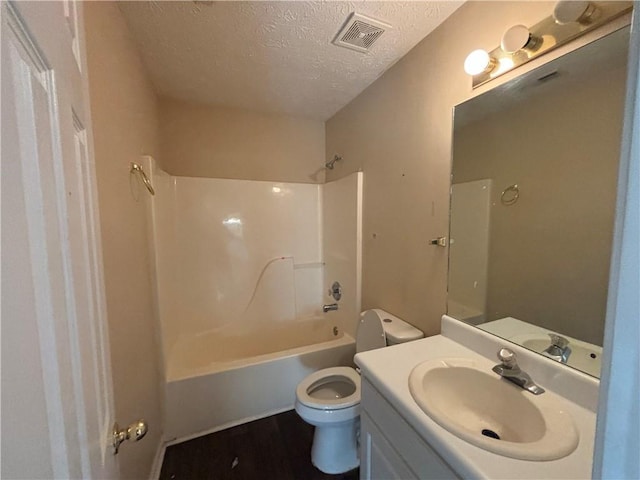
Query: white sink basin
476,405
584,356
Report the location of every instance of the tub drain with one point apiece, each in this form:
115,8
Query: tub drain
490,433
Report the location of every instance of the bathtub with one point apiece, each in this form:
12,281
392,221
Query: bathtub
223,378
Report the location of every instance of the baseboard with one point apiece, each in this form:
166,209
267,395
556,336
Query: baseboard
175,441
156,467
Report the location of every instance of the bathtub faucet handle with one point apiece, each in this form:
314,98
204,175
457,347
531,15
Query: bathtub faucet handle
330,307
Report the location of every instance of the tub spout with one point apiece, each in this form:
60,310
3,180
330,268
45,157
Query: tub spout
330,307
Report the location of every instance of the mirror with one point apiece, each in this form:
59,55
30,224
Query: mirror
535,165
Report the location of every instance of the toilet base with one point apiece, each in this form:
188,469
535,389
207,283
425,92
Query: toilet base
335,447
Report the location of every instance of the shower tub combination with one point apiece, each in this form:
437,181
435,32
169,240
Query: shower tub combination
241,268
217,380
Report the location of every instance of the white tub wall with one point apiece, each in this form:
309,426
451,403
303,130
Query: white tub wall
342,247
214,238
162,213
226,233
309,288
206,403
469,249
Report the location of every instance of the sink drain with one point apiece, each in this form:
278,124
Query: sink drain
490,433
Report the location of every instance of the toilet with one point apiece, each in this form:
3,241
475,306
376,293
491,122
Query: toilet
329,399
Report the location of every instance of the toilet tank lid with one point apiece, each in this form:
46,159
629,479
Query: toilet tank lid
396,329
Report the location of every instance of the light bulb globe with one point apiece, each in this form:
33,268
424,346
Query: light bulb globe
478,61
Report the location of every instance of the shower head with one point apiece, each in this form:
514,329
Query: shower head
330,163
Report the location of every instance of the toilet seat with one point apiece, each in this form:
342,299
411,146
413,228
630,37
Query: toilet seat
327,376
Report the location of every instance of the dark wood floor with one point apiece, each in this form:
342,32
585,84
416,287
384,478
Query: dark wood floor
274,448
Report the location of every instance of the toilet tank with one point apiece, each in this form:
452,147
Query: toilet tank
397,330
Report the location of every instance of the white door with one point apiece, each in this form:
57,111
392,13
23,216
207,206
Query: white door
618,427
56,381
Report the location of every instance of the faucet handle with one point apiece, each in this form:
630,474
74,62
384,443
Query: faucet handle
558,340
507,357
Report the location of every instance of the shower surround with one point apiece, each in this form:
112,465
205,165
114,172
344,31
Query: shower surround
242,269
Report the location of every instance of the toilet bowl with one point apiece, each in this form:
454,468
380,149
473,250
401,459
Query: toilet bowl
329,399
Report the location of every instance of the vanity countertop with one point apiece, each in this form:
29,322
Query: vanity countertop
388,370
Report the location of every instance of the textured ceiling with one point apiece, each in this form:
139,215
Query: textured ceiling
271,56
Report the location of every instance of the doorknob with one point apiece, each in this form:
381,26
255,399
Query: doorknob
133,432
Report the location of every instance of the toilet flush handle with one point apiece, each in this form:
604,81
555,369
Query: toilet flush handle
439,242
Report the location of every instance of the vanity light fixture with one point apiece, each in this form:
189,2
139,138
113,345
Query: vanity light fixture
479,61
570,11
505,64
521,44
518,38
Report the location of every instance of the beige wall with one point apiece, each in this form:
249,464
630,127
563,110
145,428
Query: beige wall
204,141
398,131
124,114
549,252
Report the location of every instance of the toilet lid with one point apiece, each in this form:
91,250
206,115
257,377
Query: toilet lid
323,377
370,334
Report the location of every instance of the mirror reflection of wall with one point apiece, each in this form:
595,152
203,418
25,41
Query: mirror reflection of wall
556,134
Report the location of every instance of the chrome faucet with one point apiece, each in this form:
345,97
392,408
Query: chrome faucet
330,307
559,349
509,370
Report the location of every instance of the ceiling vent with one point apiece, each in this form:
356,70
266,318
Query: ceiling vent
360,32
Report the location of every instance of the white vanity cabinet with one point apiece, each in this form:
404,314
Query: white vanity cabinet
390,448
379,460
399,440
